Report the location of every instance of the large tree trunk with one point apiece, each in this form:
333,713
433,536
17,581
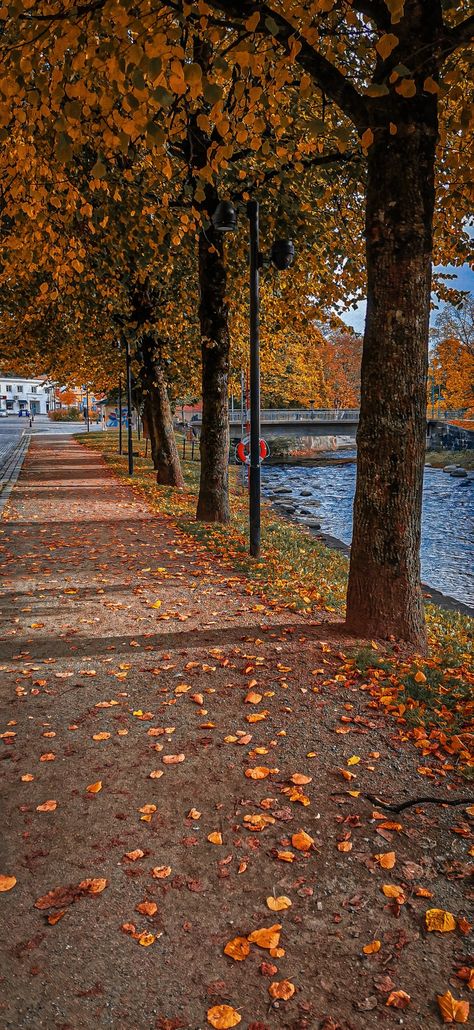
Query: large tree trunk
384,593
158,416
213,501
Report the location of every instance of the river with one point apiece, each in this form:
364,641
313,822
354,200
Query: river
447,540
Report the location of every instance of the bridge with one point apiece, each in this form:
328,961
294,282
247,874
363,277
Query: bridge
288,422
341,422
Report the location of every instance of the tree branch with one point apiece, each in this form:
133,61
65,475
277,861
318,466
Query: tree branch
375,10
322,71
457,36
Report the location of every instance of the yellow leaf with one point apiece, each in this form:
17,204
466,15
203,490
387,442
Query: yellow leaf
278,904
94,788
372,948
223,1017
282,989
386,44
145,939
238,948
157,604
302,841
266,937
354,760
452,1010
440,920
7,882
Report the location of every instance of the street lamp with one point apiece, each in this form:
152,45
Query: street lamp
282,255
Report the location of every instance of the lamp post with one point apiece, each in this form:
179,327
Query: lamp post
128,365
120,412
282,255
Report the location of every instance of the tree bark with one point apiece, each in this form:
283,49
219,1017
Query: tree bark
158,416
384,593
213,501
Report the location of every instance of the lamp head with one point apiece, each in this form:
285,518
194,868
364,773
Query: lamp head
282,254
224,218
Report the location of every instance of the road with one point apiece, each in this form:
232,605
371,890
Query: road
12,429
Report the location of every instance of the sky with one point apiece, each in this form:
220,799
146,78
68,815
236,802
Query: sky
464,281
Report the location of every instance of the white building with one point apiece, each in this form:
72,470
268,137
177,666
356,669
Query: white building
29,395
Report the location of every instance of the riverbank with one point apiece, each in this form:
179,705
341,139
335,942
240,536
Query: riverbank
439,459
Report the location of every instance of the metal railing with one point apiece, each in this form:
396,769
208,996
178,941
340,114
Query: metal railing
294,415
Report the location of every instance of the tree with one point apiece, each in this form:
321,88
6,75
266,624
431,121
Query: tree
452,358
379,61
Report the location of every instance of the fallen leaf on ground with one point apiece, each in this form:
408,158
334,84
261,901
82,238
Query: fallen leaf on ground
372,948
160,872
300,780
173,759
452,1010
134,855
266,937
47,806
386,859
215,837
278,904
238,948
438,919
7,882
94,788
145,939
223,1017
147,908
59,897
302,841
259,772
391,890
282,989
398,1000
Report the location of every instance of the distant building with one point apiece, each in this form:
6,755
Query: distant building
31,395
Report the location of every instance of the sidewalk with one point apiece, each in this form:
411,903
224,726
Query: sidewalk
176,754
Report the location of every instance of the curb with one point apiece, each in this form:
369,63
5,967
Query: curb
11,469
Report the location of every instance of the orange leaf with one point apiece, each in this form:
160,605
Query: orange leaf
282,989
286,856
278,904
452,1010
94,788
173,759
147,908
54,917
372,948
438,919
238,948
266,937
259,772
134,855
223,1017
160,872
7,882
145,939
300,780
48,806
386,859
398,1000
302,841
215,837
391,890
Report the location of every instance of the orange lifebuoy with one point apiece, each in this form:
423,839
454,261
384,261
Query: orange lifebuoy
243,453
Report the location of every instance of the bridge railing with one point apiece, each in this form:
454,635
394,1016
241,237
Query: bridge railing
295,415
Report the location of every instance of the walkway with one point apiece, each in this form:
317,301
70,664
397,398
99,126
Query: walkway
174,754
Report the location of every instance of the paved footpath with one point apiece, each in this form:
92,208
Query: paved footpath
168,743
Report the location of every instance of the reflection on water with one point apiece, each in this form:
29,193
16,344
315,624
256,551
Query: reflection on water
447,523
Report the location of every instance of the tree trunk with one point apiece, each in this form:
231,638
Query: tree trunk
384,594
158,416
213,501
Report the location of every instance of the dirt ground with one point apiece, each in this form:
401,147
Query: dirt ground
132,663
